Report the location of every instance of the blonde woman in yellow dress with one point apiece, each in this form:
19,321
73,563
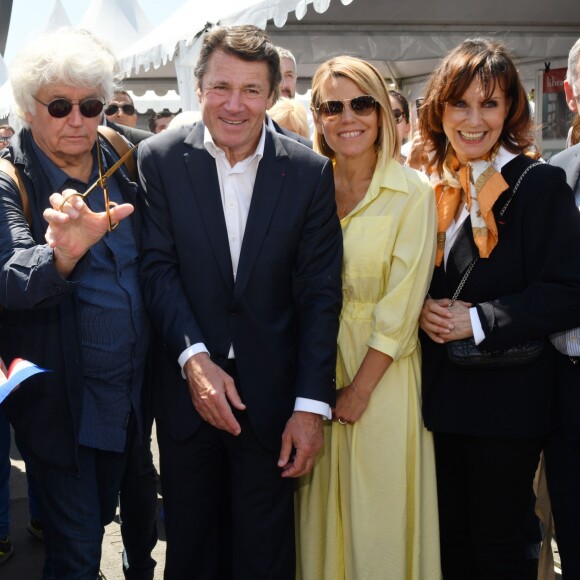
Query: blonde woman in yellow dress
368,511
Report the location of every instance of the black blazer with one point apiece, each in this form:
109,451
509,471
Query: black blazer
281,312
528,288
132,134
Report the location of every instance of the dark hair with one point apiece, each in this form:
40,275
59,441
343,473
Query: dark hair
123,92
490,63
160,115
246,42
403,103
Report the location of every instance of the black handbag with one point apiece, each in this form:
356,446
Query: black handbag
465,353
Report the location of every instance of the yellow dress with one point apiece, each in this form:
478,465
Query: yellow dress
368,510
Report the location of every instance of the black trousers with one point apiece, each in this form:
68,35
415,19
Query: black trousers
138,506
483,487
562,456
229,515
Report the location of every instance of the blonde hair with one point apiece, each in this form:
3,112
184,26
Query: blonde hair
291,115
370,82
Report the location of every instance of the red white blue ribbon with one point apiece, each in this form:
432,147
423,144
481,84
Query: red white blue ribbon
19,371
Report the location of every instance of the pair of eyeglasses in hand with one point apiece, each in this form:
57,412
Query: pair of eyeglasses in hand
102,183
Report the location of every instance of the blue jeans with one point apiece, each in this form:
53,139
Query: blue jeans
4,475
76,508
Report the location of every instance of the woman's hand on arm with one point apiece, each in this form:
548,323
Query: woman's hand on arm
461,321
442,323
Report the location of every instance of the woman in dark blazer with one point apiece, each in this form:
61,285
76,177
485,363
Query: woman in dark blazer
511,220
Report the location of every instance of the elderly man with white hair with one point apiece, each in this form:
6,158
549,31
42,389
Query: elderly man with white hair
71,297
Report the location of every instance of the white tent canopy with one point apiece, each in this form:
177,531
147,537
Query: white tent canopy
118,22
152,101
404,40
3,71
58,17
181,34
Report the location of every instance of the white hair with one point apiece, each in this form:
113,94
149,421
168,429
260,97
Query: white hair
66,56
573,61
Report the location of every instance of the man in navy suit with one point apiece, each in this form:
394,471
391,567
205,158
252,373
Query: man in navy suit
240,272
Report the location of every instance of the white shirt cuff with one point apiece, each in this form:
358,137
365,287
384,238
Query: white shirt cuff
478,334
312,406
189,352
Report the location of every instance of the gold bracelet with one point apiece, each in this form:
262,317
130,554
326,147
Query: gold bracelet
356,392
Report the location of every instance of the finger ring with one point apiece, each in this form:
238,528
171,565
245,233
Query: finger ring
342,421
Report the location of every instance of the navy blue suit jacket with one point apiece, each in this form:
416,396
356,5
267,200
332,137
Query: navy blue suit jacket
281,313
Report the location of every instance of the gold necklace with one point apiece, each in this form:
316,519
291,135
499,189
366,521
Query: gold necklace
343,213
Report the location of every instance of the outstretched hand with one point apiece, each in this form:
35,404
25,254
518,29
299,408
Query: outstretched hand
73,229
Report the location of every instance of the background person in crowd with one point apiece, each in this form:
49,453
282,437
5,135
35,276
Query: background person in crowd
6,132
562,451
572,90
6,548
120,115
121,109
291,115
288,72
71,297
184,118
159,121
287,91
501,221
241,276
34,505
402,119
369,508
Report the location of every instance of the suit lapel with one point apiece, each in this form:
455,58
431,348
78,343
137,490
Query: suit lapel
205,186
267,188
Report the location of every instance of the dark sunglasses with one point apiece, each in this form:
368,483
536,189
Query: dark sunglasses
4,139
361,106
399,115
112,109
60,108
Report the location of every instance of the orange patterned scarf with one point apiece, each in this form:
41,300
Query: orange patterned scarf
457,187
